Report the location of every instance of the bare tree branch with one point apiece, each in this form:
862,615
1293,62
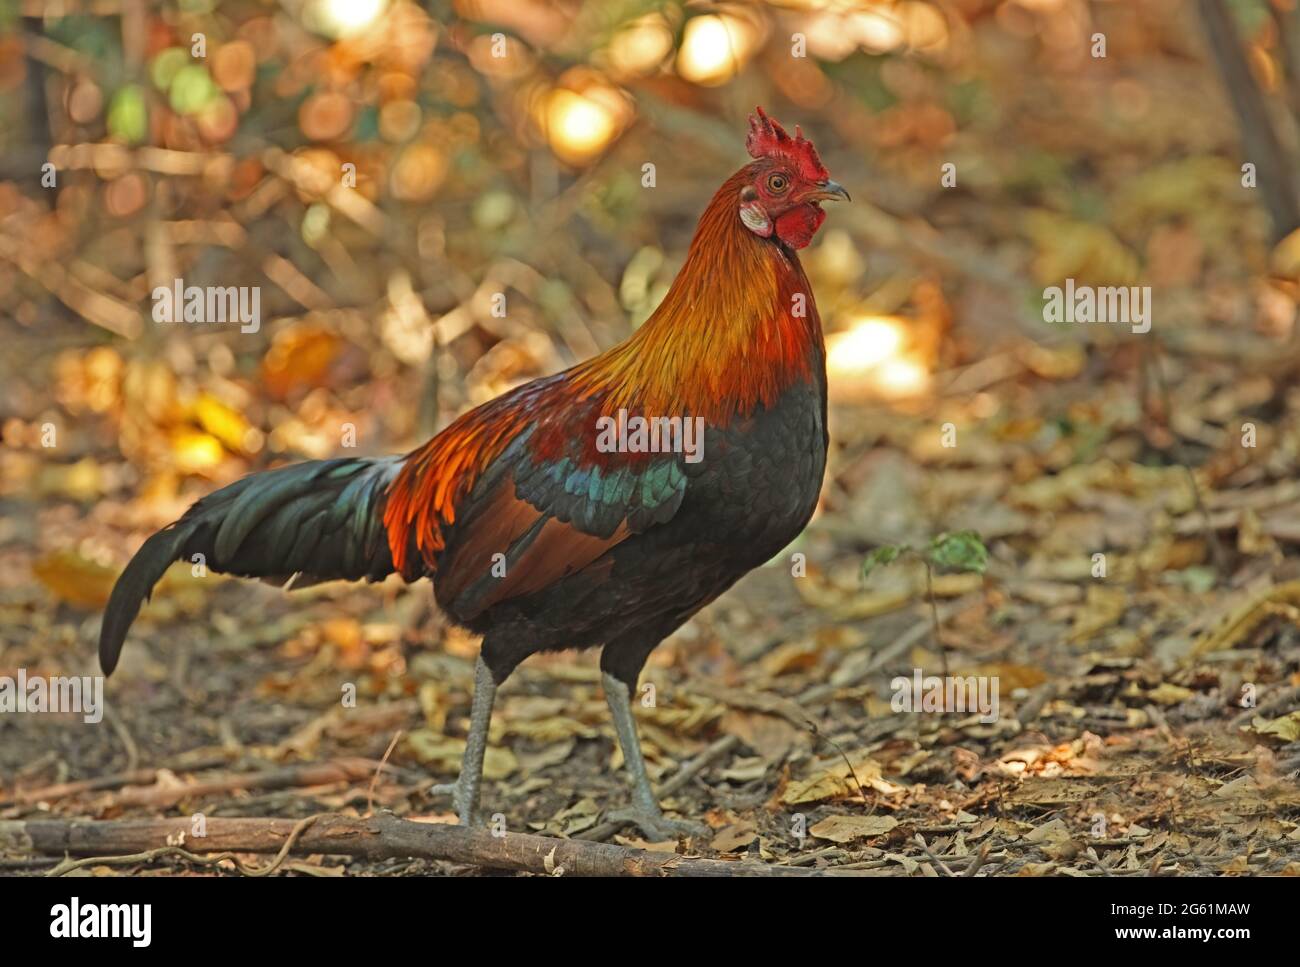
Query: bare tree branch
378,837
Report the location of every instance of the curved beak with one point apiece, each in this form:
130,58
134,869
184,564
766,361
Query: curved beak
829,191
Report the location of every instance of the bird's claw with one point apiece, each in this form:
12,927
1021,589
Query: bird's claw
657,827
460,799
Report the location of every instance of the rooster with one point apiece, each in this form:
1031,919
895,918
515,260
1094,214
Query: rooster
538,537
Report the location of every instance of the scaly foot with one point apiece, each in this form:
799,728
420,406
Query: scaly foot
655,826
464,801
464,791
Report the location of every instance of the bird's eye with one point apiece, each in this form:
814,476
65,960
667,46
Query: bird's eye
777,183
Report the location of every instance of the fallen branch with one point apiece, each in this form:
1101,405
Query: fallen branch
63,790
68,865
18,795
167,790
379,837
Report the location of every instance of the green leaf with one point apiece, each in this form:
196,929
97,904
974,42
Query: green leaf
128,115
166,65
192,89
884,554
962,551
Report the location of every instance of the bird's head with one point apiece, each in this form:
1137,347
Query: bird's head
785,184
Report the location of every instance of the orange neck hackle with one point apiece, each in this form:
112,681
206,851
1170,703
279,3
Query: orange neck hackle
736,328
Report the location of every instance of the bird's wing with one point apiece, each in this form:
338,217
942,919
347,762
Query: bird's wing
520,499
538,521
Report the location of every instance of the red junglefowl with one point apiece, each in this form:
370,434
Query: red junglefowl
536,534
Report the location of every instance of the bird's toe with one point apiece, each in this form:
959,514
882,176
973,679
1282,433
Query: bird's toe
658,827
466,811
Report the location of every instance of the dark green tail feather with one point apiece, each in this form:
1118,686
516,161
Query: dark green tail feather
322,520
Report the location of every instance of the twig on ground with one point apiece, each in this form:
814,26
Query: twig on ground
305,774
920,841
370,793
1034,704
980,858
68,865
378,837
123,733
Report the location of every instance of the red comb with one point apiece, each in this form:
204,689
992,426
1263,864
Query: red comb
767,139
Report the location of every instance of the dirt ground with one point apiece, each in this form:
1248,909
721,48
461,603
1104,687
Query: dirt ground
1145,722
1133,484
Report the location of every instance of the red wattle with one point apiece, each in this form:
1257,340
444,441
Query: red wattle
798,226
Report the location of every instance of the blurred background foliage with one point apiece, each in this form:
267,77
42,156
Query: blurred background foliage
381,169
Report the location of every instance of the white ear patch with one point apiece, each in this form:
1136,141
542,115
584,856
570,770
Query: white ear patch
756,219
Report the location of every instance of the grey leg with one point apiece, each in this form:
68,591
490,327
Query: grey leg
465,790
644,811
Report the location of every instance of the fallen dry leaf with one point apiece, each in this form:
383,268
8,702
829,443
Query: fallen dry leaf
848,829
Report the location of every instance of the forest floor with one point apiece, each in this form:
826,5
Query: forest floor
1140,627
